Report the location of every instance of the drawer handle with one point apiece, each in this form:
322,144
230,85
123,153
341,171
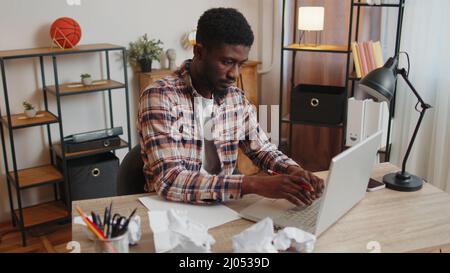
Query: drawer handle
96,172
315,102
106,143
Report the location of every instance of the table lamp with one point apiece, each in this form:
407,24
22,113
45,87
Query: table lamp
311,19
380,84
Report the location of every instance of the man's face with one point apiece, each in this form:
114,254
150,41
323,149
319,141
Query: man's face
221,65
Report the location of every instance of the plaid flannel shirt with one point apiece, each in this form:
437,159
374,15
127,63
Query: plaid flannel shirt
171,141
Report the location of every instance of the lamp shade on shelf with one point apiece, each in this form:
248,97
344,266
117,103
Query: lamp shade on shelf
311,18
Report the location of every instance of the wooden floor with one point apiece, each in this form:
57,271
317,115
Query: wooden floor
51,239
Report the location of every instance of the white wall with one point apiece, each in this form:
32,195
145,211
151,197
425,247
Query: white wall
25,24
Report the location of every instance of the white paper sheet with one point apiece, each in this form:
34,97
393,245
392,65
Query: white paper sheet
208,215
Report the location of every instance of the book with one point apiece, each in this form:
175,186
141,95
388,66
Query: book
356,59
373,65
378,54
368,58
362,55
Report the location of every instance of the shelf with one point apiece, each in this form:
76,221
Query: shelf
376,6
22,121
287,119
57,149
51,176
37,176
67,90
320,48
43,213
341,125
353,77
48,51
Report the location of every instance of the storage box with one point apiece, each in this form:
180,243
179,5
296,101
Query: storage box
92,177
318,104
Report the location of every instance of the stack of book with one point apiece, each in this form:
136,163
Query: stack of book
367,56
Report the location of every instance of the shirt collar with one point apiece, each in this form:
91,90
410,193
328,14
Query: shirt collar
184,73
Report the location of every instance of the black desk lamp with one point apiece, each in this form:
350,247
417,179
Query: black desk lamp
380,84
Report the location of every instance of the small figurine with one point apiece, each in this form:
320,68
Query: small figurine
171,55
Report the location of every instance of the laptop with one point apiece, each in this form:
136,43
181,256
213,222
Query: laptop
346,185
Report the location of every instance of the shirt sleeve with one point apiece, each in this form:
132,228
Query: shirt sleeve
165,166
257,147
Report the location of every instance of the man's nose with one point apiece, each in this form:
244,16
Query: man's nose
233,73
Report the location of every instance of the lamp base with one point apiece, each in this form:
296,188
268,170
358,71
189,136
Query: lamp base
403,182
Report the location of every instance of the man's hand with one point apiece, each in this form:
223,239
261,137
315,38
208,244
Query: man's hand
317,183
279,186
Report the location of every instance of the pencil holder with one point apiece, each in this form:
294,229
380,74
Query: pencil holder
117,244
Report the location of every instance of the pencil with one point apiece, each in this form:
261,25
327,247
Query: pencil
94,229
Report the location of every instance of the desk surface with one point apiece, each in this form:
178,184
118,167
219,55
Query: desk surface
395,221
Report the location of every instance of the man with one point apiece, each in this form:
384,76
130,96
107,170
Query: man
192,123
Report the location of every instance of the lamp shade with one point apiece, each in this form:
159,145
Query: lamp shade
380,83
311,18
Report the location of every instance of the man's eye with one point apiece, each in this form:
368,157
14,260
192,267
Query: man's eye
228,62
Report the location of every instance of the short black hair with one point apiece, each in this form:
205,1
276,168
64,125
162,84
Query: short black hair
219,26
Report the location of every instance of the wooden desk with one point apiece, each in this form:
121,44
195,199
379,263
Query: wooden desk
398,221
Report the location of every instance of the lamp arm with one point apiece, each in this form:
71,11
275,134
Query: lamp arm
405,77
424,106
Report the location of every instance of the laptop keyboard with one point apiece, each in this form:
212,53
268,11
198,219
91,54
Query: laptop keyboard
304,218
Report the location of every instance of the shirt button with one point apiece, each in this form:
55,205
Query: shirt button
181,129
254,145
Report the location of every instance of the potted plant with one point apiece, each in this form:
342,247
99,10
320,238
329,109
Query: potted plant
144,51
86,79
29,109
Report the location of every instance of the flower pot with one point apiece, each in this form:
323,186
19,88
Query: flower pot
30,113
146,65
86,81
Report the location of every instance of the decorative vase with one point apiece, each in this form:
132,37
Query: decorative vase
146,65
30,113
86,81
171,55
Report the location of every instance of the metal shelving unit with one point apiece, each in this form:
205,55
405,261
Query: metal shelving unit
350,77
400,5
19,180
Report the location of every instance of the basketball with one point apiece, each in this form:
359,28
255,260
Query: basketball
65,32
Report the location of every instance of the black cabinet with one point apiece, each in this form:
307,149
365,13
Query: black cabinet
92,177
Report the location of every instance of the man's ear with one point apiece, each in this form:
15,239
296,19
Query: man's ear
199,51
